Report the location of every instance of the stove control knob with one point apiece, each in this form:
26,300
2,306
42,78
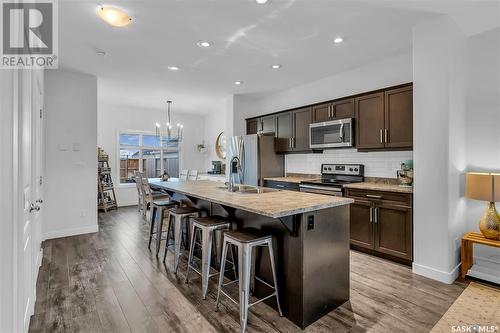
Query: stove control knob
356,169
329,169
350,169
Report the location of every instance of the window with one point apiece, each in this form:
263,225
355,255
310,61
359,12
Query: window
145,152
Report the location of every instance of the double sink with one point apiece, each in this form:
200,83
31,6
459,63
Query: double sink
250,189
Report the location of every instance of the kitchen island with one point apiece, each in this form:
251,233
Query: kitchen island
311,238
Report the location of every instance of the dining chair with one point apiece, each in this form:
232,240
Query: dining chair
184,174
150,195
192,175
140,194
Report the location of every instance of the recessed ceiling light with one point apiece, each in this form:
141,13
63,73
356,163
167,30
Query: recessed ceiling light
338,40
276,66
261,2
173,68
114,16
238,82
204,43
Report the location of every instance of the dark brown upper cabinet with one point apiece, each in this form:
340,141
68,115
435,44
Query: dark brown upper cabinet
302,118
370,121
334,110
262,125
399,118
268,124
292,130
284,132
252,126
385,119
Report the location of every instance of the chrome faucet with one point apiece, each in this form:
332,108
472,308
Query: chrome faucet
235,166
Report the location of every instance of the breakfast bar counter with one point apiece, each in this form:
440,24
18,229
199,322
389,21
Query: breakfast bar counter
311,235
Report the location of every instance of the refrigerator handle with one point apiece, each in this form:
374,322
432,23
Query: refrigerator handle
242,160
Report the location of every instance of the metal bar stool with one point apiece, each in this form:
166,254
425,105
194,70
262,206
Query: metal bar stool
246,240
179,215
157,215
207,227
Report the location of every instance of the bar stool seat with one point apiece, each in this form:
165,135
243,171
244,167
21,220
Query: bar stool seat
246,240
184,210
247,235
180,217
157,216
207,227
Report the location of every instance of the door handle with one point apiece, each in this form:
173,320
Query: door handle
374,196
381,136
375,218
386,135
371,214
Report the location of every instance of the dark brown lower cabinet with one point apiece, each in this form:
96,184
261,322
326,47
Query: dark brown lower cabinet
381,223
361,225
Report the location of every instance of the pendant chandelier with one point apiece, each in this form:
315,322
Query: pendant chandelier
169,133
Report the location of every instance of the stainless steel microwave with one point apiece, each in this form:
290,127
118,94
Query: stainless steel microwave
331,134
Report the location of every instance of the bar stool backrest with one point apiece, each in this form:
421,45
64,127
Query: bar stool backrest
192,175
184,174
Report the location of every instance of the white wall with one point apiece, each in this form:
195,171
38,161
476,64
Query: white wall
483,122
439,147
215,123
113,118
386,73
70,181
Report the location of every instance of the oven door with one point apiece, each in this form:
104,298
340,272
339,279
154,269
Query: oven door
326,190
331,134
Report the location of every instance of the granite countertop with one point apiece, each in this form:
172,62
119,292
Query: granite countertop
294,178
380,187
275,204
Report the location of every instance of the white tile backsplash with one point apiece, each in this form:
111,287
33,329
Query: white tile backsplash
377,164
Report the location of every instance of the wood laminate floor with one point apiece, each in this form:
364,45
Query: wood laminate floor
110,282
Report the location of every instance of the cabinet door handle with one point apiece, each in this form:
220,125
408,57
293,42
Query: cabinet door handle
381,136
375,218
386,135
374,196
371,214
293,142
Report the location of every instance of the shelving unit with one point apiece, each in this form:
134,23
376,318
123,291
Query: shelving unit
106,198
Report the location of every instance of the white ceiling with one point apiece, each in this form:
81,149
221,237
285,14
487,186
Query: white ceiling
248,38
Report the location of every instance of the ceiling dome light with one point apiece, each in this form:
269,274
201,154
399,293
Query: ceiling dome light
261,2
276,66
238,82
114,16
338,40
173,68
204,43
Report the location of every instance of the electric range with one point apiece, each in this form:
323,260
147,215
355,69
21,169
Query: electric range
333,178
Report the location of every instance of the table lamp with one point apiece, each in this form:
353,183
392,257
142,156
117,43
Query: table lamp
485,187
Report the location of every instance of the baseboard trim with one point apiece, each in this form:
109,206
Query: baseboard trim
127,203
71,232
436,274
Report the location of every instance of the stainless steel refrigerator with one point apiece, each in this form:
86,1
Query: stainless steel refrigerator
257,159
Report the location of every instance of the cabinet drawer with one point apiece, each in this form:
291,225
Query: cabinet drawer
401,198
281,185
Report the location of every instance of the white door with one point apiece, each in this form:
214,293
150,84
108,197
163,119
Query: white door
37,171
26,272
